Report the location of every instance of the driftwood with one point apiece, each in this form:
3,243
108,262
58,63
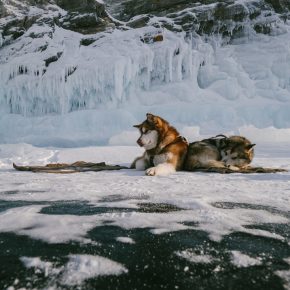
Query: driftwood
242,170
79,166
82,166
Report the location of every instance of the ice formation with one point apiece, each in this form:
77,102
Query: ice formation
72,77
54,90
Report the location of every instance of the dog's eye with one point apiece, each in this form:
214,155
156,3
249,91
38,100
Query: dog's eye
146,132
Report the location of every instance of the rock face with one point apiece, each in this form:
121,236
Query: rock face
77,5
86,17
90,16
280,6
202,16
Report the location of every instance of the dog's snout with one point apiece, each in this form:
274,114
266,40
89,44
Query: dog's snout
139,142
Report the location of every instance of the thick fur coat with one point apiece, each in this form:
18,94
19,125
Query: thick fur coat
165,149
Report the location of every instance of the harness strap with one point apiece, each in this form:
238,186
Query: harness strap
219,136
216,138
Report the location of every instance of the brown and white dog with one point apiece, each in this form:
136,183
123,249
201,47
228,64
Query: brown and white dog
165,149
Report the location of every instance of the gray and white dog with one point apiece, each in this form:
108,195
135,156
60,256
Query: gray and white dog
234,152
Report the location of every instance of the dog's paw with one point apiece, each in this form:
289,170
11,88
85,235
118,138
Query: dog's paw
234,168
151,171
161,169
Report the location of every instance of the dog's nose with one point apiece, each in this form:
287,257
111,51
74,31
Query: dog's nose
139,142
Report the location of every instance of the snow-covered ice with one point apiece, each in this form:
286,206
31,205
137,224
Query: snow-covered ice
125,240
193,258
198,195
81,267
241,260
77,269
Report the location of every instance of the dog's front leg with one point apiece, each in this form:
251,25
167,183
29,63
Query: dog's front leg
161,169
140,163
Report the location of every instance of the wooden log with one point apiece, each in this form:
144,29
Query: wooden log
79,166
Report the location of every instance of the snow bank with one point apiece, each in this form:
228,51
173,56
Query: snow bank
266,135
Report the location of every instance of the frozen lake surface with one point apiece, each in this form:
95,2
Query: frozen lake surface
124,230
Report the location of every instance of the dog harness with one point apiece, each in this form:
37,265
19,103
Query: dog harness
178,139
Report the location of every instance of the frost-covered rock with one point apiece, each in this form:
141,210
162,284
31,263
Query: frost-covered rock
228,17
16,17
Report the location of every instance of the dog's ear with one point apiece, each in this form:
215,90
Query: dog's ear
250,146
150,117
153,119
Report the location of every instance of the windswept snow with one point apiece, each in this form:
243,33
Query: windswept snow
28,221
193,258
126,240
40,266
77,269
241,260
81,267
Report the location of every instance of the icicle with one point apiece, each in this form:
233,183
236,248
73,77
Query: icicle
94,76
